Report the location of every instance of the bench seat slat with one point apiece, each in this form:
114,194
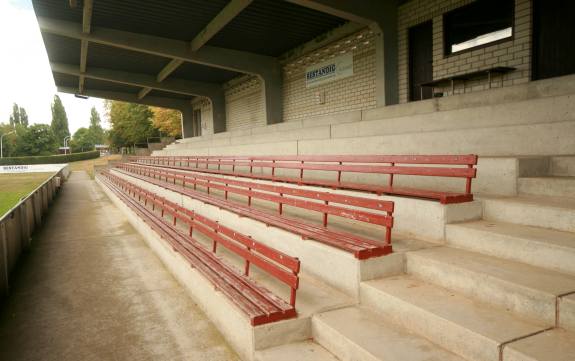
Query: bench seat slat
259,304
362,248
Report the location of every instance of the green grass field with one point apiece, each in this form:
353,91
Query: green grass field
14,187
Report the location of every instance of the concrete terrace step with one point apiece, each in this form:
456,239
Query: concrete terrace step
563,166
461,325
567,312
357,334
300,351
540,211
533,111
552,345
539,247
547,186
528,291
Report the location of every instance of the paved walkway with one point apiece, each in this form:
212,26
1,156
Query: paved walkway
90,289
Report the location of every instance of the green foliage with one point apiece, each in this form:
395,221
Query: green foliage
50,159
23,117
37,139
82,140
9,141
168,121
96,131
18,116
131,123
59,120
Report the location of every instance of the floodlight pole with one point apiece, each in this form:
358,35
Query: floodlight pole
2,143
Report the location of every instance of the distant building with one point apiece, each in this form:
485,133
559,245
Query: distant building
103,148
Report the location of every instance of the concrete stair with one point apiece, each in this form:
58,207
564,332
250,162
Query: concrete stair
566,312
473,330
527,291
556,186
546,248
358,334
556,213
552,345
300,351
562,166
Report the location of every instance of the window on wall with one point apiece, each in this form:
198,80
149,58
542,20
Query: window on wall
477,24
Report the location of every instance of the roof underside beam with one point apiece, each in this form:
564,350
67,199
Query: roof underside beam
267,68
86,25
179,104
230,11
366,12
222,58
179,86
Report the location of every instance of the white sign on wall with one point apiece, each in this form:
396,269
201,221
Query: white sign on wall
334,69
32,168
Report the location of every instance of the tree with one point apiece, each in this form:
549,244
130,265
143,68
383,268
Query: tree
37,139
59,120
15,116
18,116
82,141
168,121
131,123
96,132
23,117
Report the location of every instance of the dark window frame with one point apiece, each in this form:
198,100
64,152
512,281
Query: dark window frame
446,47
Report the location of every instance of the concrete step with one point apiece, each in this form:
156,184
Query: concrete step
567,312
539,247
540,211
357,334
547,186
300,351
528,291
563,166
552,345
532,111
473,330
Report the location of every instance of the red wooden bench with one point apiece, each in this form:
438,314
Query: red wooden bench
452,166
258,303
318,201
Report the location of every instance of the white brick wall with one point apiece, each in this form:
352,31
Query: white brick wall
515,52
245,107
245,98
352,93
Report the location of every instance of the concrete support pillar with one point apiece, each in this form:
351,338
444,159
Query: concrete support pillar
273,94
187,122
387,58
219,112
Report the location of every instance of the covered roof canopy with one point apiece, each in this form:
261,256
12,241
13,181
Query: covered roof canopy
219,30
167,52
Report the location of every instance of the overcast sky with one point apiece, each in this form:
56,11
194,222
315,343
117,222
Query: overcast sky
26,76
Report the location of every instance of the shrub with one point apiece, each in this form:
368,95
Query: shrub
50,159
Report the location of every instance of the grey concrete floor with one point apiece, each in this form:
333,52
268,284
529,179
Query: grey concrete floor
90,289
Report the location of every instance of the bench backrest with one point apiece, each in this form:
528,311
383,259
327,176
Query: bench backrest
279,195
459,166
277,264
